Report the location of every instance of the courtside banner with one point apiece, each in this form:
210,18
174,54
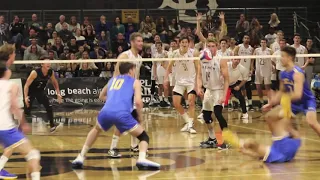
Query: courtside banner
85,91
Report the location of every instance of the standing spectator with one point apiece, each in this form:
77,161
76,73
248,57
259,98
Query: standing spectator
34,23
313,62
162,28
255,33
79,37
242,27
17,30
120,42
103,41
54,37
274,21
27,41
74,25
102,25
32,54
58,46
147,23
59,25
80,52
4,30
49,29
73,47
65,34
210,23
174,26
117,28
130,23
89,34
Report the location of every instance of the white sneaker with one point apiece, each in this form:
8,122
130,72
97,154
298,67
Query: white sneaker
78,162
245,116
185,128
147,164
192,130
200,118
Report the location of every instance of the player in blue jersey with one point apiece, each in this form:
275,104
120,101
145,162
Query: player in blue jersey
120,90
295,97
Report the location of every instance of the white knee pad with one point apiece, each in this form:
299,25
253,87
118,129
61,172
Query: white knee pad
33,154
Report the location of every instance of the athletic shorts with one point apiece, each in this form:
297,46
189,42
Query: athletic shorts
308,105
180,89
282,150
124,121
259,79
160,80
172,80
11,138
211,98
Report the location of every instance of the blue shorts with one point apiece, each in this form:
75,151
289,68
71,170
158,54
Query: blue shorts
308,105
282,150
11,138
124,121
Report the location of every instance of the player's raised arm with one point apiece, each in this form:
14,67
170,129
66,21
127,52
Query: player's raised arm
33,75
116,69
198,30
56,87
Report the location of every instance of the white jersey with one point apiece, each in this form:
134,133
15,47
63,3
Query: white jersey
299,61
278,62
6,121
239,73
138,63
243,51
275,46
211,75
185,72
263,65
226,53
159,64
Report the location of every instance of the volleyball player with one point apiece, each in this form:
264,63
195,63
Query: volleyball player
136,44
275,46
10,137
224,51
214,74
263,70
154,100
173,46
186,72
300,61
245,49
35,89
117,111
278,64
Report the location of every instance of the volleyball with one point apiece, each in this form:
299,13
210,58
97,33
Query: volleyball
206,55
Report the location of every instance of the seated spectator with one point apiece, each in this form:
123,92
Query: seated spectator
189,31
42,36
85,70
162,28
146,53
274,21
65,34
4,31
86,23
170,37
48,48
80,39
27,41
17,30
65,54
109,55
116,29
86,46
58,46
120,42
108,70
119,50
59,25
147,22
183,32
73,46
51,56
103,41
97,53
89,34
40,50
174,26
80,52
32,54
102,25
85,55
35,24
54,37
73,68
74,25
129,32
131,24
49,29
146,35
271,37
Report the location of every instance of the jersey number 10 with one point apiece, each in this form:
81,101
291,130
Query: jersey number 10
116,84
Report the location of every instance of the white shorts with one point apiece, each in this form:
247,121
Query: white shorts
180,89
161,71
211,98
160,79
172,80
262,79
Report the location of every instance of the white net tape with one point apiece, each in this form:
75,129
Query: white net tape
157,59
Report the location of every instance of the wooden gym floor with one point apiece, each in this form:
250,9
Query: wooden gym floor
177,152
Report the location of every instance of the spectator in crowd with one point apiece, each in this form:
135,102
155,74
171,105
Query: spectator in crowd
183,32
274,21
242,27
74,25
4,30
86,23
189,31
80,52
53,37
209,23
117,28
33,54
73,47
108,70
120,42
174,26
58,46
146,53
109,55
51,55
80,39
97,53
59,25
162,28
17,30
147,22
65,34
48,48
102,25
271,36
40,50
27,41
255,33
314,62
146,35
73,67
153,32
66,53
170,37
131,24
85,55
103,41
89,35
119,50
85,70
129,32
86,46
49,29
34,23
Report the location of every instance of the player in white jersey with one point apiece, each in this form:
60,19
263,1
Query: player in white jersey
276,46
245,49
263,70
232,45
186,72
153,80
215,78
158,72
278,65
300,61
10,136
173,47
136,43
223,51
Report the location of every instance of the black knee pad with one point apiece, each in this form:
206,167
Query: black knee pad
218,111
207,116
134,114
143,137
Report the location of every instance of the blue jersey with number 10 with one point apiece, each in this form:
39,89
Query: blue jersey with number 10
120,94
